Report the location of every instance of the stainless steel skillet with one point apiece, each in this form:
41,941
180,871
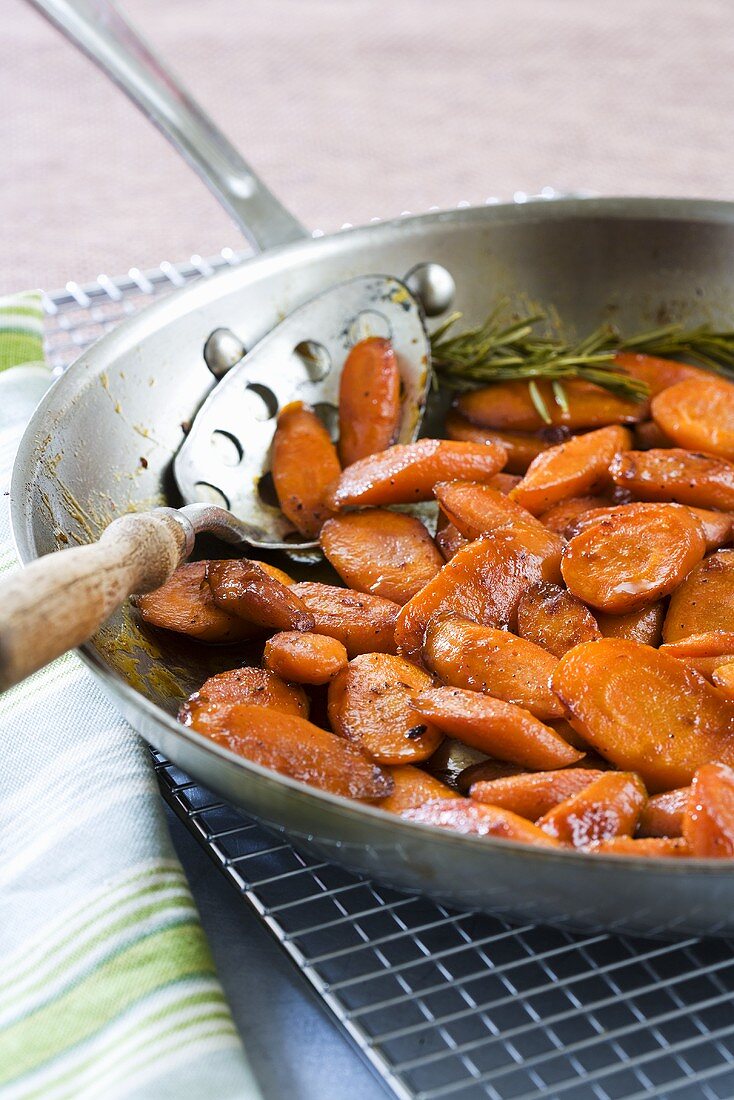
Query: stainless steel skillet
101,444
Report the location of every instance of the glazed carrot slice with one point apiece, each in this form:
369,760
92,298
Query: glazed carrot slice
633,557
185,604
509,405
475,819
369,400
294,747
658,373
483,581
723,678
249,686
686,477
500,729
716,527
704,653
477,510
644,711
698,414
607,807
704,601
363,623
647,435
448,539
657,847
386,553
708,823
503,482
467,655
563,518
244,589
644,626
555,619
572,469
533,794
305,464
408,472
663,814
305,658
370,703
521,447
413,787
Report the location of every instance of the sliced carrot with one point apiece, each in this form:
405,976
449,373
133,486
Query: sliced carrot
186,605
360,621
644,626
723,678
708,823
370,703
698,414
572,469
504,482
477,510
663,814
716,527
607,807
704,601
644,711
711,643
369,400
521,447
647,435
304,466
658,373
533,794
386,553
467,655
413,787
449,540
686,477
555,619
249,686
483,581
509,405
305,658
294,747
475,819
500,729
244,589
408,472
563,517
651,847
633,557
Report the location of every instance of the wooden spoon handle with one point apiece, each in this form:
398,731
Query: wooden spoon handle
59,601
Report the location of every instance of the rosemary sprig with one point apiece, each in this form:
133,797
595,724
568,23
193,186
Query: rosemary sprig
527,349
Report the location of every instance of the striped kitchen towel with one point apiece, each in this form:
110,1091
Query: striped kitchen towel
107,986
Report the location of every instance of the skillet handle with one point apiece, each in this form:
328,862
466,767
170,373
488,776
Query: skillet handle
98,29
59,601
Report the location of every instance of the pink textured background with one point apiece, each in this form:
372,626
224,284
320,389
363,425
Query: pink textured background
357,108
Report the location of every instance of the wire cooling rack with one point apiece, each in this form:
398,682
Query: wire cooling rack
442,1003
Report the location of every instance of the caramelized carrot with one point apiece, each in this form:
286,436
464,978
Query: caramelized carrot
244,589
686,477
708,822
296,748
500,729
563,518
647,435
449,540
249,686
413,787
572,469
305,464
386,553
503,482
644,711
521,447
408,472
651,847
370,702
363,623
533,794
704,601
663,814
369,400
186,605
716,527
698,414
609,806
467,655
509,405
658,373
305,658
644,626
633,557
723,678
555,619
475,819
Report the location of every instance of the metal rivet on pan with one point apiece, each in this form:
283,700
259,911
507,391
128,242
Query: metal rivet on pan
433,286
222,351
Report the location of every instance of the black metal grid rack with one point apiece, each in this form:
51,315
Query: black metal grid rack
442,1003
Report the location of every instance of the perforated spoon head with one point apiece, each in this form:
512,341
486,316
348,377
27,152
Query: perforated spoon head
225,458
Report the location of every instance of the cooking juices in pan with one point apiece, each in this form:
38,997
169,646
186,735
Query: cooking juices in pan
556,667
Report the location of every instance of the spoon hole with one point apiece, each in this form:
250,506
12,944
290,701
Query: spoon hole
209,494
266,491
369,323
227,449
264,401
314,358
328,414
